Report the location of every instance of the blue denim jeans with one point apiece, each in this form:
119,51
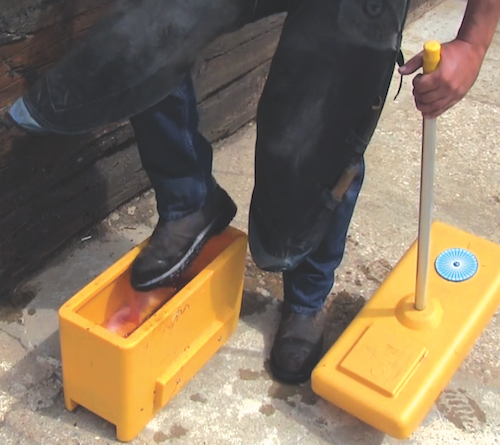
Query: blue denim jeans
174,154
178,160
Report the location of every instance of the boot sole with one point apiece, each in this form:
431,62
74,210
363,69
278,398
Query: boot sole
217,226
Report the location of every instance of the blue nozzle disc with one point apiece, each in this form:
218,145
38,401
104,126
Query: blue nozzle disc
456,265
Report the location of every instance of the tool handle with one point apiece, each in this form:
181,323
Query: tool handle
431,58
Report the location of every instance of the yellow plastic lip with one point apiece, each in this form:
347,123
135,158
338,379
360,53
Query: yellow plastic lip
70,309
432,56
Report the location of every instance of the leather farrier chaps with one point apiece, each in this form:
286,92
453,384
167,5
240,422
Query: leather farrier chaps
130,60
320,106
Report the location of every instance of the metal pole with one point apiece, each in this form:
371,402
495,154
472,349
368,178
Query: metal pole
425,215
432,53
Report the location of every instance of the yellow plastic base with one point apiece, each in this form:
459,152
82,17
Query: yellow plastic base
127,380
390,365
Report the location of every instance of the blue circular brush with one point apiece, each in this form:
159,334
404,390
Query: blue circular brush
456,265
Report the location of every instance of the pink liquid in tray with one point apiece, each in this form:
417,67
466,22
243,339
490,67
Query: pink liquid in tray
136,309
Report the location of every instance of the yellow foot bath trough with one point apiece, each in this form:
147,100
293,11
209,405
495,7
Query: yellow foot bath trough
127,377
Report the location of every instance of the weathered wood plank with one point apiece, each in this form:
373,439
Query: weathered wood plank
214,71
24,17
37,229
23,61
234,106
30,165
30,55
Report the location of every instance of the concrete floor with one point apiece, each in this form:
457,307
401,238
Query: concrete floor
233,399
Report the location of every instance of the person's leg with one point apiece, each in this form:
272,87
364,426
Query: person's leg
321,103
191,206
298,344
308,285
178,161
174,154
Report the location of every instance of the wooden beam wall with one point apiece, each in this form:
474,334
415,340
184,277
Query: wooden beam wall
53,187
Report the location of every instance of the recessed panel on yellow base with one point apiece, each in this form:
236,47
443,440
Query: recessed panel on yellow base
128,380
392,362
382,361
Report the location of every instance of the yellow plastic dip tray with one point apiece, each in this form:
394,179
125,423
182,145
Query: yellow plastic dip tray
127,380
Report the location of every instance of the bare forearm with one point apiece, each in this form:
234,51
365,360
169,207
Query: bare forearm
479,23
461,60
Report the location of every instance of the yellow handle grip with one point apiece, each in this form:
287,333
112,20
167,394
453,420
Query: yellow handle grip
432,56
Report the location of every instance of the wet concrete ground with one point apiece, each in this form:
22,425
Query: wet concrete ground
233,399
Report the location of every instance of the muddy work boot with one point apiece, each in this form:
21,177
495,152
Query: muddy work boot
175,244
297,346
